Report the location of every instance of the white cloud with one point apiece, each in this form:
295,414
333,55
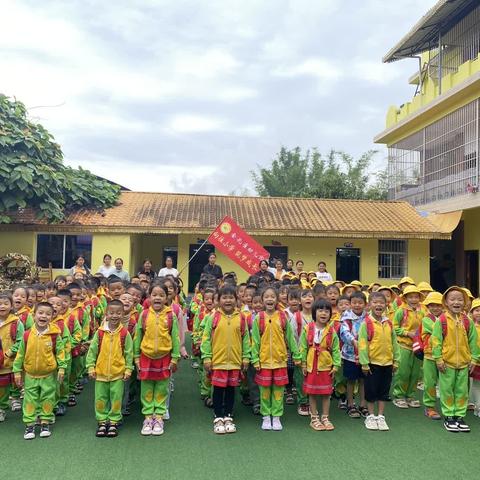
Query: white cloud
187,123
316,67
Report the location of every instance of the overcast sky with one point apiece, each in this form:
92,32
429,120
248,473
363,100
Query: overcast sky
190,95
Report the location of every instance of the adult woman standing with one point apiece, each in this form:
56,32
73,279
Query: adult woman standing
322,273
265,272
80,267
278,272
106,269
168,269
211,268
147,269
119,271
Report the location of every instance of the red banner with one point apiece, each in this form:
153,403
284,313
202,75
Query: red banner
237,245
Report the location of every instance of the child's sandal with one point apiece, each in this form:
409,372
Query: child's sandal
208,402
327,423
364,412
218,426
112,430
230,427
316,424
353,412
101,430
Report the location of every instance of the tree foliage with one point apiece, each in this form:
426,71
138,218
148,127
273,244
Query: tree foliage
32,173
336,175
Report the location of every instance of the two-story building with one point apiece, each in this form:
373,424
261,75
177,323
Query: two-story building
433,140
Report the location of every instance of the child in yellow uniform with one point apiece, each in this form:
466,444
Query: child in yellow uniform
475,375
41,358
406,322
225,352
110,364
11,334
271,336
320,350
378,355
455,349
156,353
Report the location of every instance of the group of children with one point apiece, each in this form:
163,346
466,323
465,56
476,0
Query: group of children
280,342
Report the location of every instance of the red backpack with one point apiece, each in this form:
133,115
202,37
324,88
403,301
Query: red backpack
443,320
299,320
23,317
71,325
218,315
123,335
371,328
261,321
419,343
311,337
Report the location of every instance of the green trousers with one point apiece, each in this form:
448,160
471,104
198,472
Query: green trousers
430,381
108,401
39,398
154,395
340,383
4,396
298,377
407,375
64,387
454,392
203,381
75,373
271,400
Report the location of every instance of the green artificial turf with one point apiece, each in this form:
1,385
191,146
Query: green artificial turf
415,447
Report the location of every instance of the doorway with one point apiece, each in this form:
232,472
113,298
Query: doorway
195,267
471,271
277,253
348,264
171,252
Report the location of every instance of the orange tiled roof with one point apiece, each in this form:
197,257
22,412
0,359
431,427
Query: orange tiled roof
172,213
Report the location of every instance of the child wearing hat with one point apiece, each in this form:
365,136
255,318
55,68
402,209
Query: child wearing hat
475,375
455,350
433,302
406,321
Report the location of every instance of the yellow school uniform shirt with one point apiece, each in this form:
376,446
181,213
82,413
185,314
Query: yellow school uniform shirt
157,340
8,342
408,323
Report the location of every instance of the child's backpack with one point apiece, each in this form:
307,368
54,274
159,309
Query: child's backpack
13,336
404,319
123,335
261,321
443,320
299,321
23,317
169,320
311,337
54,340
371,328
76,315
218,315
132,322
419,343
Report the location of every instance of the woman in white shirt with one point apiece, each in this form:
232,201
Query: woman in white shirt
107,268
168,269
278,272
322,273
119,271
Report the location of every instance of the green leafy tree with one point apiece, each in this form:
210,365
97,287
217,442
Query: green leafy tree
32,173
310,174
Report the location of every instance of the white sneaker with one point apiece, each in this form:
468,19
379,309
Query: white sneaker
382,424
157,427
400,403
16,405
166,415
276,424
29,432
267,423
3,414
371,422
147,427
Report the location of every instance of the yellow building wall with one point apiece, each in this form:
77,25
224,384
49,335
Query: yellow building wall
117,245
313,250
471,219
150,246
18,242
430,91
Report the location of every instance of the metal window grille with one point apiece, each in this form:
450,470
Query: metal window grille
392,258
439,161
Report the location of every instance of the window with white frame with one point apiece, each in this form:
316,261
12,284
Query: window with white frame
61,251
392,258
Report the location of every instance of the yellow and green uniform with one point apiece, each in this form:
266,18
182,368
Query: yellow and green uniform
430,371
25,315
406,321
156,343
110,359
39,361
327,358
63,388
457,350
10,346
78,361
269,352
197,333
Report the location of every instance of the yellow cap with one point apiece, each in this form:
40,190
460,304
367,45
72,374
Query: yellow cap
433,297
384,287
351,285
394,286
469,293
357,283
455,288
338,281
408,280
311,272
425,287
475,304
372,285
412,289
